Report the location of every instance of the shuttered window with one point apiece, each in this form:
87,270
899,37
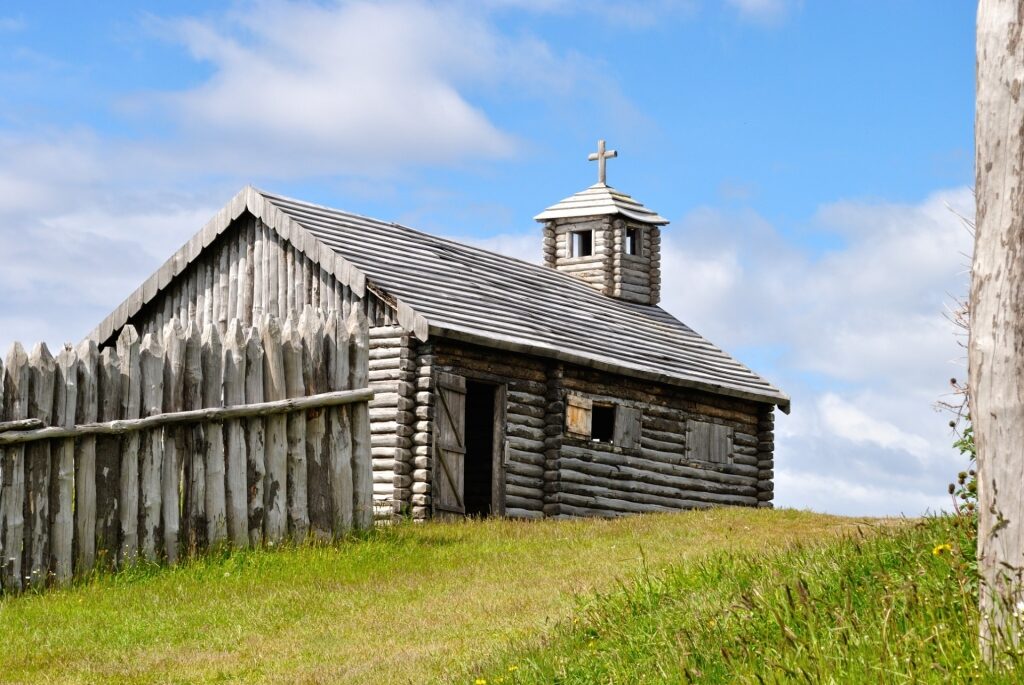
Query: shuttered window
710,442
618,424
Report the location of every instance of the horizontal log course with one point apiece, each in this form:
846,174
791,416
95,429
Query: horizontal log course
526,445
211,414
532,411
526,457
613,504
744,459
536,423
527,503
521,469
521,431
527,493
517,513
745,439
673,447
528,399
525,481
566,511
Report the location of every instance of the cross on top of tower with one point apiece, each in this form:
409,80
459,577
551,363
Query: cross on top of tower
600,156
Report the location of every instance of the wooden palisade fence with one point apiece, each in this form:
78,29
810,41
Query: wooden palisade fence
182,441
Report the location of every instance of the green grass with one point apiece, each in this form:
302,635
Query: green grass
892,606
408,604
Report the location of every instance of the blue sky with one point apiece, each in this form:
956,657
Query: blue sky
807,154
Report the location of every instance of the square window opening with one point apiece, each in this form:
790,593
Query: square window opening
632,241
581,243
602,427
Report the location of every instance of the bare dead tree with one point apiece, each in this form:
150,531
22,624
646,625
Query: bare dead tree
996,342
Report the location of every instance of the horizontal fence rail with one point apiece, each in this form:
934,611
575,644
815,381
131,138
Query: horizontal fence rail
184,440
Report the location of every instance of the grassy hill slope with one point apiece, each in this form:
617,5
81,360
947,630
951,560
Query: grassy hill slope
895,606
408,604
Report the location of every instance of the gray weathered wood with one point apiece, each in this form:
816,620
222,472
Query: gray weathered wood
213,444
234,438
996,347
450,445
62,485
315,379
362,467
298,506
175,440
151,448
194,495
108,461
36,564
339,426
12,494
131,406
86,411
21,425
255,437
276,446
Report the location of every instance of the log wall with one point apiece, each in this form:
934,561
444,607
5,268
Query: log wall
392,378
600,479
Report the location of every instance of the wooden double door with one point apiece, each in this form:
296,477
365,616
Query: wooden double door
469,447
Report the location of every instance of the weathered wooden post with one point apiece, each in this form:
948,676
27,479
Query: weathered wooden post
274,388
42,373
131,406
194,451
234,395
359,377
174,437
255,436
63,467
151,449
213,445
108,461
314,375
12,506
996,349
298,504
86,411
339,427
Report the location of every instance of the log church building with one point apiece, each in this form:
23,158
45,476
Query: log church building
502,387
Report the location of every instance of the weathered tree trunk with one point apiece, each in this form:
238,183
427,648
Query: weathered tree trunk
996,351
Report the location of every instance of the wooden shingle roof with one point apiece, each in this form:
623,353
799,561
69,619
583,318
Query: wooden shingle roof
442,287
600,199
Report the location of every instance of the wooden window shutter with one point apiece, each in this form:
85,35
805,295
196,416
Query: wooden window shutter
578,411
450,444
709,442
627,427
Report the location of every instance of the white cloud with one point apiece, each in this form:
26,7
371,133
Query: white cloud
299,89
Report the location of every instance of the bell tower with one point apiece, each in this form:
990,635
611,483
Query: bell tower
606,239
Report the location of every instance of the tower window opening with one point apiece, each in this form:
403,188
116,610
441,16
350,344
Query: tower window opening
632,241
581,243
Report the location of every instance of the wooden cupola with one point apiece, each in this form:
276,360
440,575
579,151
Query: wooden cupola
606,239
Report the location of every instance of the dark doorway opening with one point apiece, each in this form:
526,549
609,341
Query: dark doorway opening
479,448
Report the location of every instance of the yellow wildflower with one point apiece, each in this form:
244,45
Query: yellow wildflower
513,667
480,681
940,549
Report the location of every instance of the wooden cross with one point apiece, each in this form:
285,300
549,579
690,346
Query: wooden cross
601,155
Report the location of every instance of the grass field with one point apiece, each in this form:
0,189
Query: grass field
896,606
409,604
